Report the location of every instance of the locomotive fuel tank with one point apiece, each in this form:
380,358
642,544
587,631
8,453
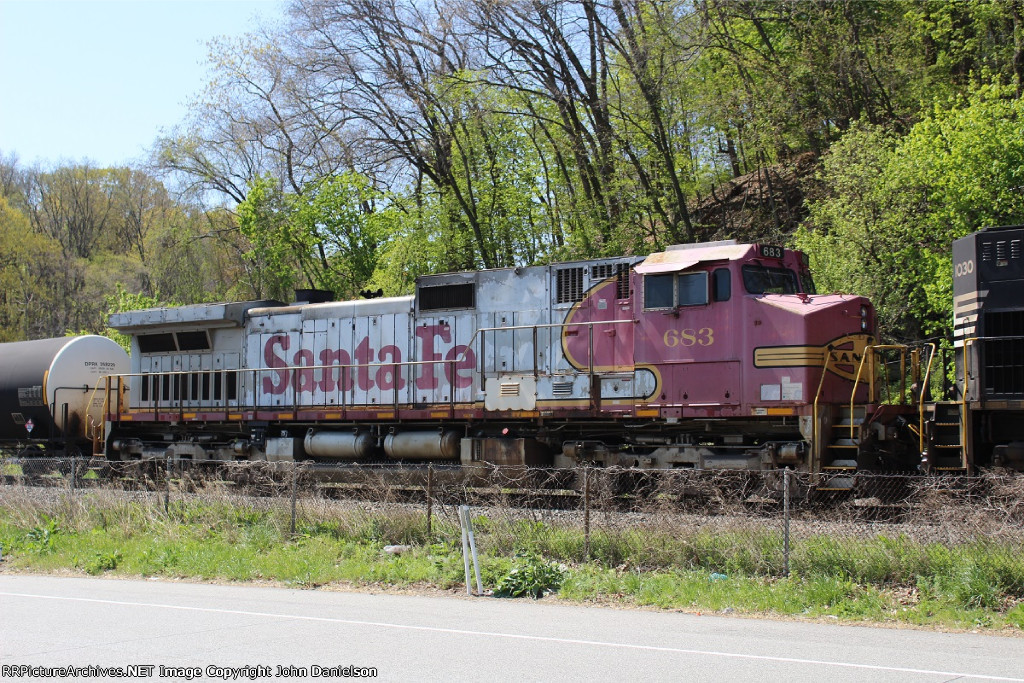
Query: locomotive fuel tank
48,387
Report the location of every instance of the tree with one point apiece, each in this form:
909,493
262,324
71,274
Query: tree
29,271
326,237
258,115
342,232
895,204
263,218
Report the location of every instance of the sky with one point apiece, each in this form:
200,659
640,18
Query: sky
98,81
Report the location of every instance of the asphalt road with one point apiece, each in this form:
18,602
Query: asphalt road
81,622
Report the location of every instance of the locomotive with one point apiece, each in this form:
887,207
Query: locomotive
716,355
710,356
986,426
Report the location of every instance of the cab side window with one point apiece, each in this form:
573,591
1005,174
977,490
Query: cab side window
721,284
763,280
693,289
659,291
673,290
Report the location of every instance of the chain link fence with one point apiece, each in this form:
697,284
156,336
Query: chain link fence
875,529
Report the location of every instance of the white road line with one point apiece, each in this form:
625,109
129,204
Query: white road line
518,636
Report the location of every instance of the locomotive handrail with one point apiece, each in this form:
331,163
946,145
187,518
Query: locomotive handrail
816,453
860,369
966,390
344,369
920,399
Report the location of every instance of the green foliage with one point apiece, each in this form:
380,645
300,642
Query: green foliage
30,275
541,142
346,230
326,237
531,575
42,538
99,563
977,585
895,205
263,220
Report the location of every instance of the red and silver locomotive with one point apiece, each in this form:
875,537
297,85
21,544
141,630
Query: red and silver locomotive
715,355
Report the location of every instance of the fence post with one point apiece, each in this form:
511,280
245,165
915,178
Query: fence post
785,517
71,493
430,498
167,487
586,513
295,492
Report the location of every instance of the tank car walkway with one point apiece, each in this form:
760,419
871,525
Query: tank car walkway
253,633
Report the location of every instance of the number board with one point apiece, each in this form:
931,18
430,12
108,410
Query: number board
770,251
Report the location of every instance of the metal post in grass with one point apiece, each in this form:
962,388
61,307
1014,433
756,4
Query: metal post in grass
295,490
586,513
785,518
430,498
468,547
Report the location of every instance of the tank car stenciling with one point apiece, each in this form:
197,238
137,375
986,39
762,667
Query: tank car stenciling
711,355
56,386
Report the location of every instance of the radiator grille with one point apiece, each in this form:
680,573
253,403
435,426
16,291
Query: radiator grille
569,285
620,271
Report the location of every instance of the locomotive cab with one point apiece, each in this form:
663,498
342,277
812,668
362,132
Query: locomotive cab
740,325
738,361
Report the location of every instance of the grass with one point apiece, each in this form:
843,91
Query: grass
890,579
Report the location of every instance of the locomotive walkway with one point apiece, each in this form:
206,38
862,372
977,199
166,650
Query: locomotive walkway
255,633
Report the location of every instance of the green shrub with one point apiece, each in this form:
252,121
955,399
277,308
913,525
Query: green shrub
531,575
41,539
101,562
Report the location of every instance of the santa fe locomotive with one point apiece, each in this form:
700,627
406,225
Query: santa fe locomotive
716,355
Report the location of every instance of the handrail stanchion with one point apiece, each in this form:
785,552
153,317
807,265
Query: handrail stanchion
963,394
868,351
920,399
815,436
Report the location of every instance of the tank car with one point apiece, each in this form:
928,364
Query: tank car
52,391
716,355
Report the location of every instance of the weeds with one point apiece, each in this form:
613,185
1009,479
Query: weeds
663,558
41,539
101,562
531,575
